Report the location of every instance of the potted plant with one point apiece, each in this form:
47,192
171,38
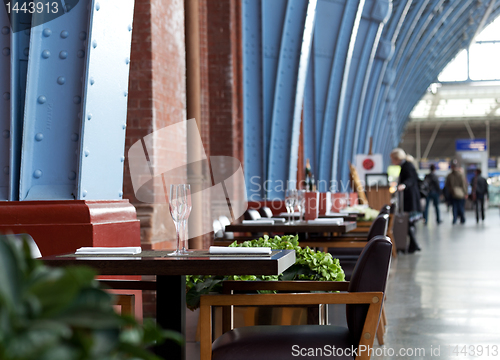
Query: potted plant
62,314
309,265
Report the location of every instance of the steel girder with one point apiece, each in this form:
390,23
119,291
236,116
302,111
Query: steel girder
64,133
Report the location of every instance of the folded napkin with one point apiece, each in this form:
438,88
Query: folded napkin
327,221
124,250
296,213
239,250
258,222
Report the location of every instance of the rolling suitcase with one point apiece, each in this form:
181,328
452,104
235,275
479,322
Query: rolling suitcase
400,227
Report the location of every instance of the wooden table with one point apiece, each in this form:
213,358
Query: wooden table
171,281
297,227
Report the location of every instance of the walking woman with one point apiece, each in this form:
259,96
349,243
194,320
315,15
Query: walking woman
408,183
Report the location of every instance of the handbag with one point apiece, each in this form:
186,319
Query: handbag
458,192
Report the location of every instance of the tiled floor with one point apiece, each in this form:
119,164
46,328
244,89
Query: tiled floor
448,294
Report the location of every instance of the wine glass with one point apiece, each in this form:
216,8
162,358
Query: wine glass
301,201
187,212
290,201
177,206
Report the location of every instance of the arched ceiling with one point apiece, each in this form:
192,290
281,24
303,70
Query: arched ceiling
354,71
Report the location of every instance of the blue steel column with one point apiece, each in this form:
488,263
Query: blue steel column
4,105
327,79
273,19
375,15
253,112
19,53
340,68
105,102
337,156
309,118
51,127
292,69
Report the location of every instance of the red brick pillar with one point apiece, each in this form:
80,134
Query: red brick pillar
157,98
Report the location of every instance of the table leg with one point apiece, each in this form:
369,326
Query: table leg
171,313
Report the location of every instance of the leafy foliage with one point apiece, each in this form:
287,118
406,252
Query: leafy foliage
309,265
62,314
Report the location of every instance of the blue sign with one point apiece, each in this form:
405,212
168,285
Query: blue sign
471,145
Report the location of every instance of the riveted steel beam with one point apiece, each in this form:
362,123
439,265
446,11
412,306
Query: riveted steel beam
288,95
253,124
5,96
105,100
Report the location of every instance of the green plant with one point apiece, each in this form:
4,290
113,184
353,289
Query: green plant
62,314
309,265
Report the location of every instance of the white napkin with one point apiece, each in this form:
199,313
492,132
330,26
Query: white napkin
279,220
129,250
296,213
327,221
258,222
239,250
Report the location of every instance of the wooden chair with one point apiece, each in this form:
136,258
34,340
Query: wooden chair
364,296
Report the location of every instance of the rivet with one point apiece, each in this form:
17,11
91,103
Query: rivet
42,99
47,32
63,54
6,51
83,35
6,134
72,175
64,34
86,152
61,80
84,193
125,94
89,116
77,99
122,159
80,54
120,194
375,299
74,137
6,170
94,44
37,174
97,6
124,126
5,30
127,61
26,51
39,137
45,54
92,81
129,27
367,336
6,96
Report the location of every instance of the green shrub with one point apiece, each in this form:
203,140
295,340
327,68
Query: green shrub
62,314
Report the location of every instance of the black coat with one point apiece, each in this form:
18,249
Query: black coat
411,196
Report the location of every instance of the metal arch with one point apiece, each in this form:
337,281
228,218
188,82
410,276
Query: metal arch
379,14
105,100
19,51
337,157
254,157
5,47
427,60
53,108
329,21
378,106
380,71
413,41
288,96
309,120
340,68
273,18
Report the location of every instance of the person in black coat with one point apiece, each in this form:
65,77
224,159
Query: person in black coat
408,183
